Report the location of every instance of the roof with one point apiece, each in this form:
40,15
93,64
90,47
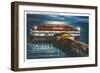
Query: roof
55,27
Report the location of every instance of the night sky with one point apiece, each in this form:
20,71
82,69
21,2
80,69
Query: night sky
75,21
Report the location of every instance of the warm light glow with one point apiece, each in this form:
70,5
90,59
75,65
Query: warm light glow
36,34
66,36
50,34
42,34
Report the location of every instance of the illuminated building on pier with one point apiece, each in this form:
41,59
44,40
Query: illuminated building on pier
47,38
51,30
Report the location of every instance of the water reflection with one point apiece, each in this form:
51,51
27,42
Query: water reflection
48,50
42,50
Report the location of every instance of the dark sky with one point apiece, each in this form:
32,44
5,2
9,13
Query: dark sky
75,21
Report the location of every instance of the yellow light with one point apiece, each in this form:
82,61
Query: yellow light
66,36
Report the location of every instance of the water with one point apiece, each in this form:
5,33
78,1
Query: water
48,50
42,50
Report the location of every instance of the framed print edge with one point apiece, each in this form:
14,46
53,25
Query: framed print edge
96,34
15,35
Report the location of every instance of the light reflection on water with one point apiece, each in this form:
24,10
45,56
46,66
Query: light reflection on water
42,50
47,50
